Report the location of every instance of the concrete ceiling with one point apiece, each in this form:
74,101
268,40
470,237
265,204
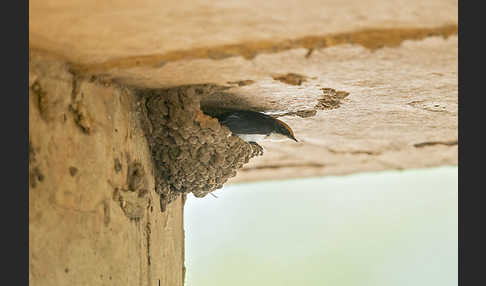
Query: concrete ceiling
366,85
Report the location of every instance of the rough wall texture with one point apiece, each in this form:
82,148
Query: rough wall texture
393,108
93,216
120,34
365,85
100,157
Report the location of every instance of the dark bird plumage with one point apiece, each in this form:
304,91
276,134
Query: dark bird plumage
245,122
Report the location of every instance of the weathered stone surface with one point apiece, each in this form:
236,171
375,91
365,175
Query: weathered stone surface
357,109
401,110
122,33
94,218
365,85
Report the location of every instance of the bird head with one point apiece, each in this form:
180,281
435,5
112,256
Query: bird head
282,129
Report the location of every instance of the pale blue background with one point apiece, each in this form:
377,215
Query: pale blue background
389,228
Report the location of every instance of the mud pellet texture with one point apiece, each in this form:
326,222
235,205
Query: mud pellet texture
191,151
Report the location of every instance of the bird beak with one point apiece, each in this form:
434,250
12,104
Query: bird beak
293,138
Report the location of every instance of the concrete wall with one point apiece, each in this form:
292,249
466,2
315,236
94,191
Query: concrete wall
365,85
87,226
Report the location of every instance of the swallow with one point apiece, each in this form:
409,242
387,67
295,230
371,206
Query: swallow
254,127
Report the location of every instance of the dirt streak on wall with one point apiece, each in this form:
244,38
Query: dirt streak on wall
371,38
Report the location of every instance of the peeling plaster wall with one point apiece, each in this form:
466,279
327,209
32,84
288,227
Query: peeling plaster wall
193,29
93,216
365,86
100,156
397,108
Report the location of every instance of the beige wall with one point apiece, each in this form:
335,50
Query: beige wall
365,85
86,226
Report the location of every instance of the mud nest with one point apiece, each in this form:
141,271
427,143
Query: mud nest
191,151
